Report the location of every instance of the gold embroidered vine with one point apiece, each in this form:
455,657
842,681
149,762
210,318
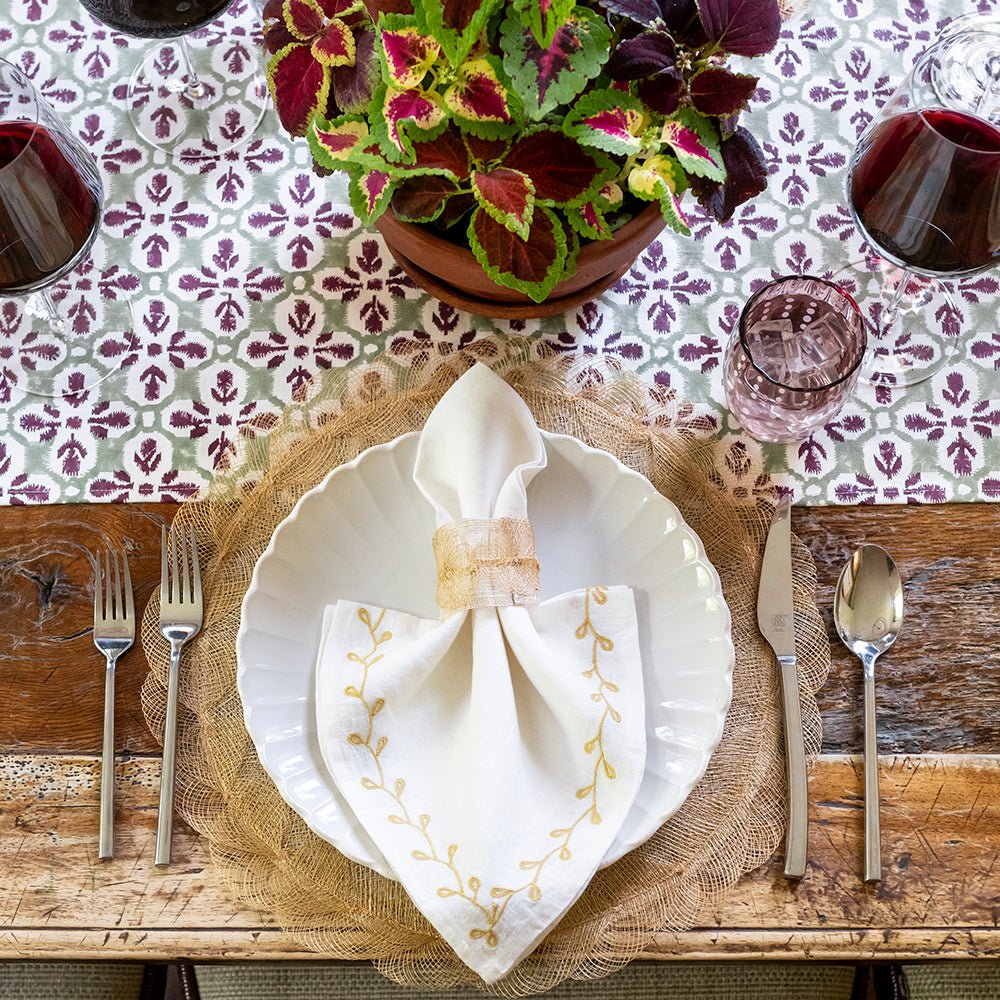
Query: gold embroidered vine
469,888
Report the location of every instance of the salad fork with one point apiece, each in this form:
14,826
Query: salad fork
114,632
180,620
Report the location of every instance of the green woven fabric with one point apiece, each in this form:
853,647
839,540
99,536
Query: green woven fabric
954,981
69,981
638,981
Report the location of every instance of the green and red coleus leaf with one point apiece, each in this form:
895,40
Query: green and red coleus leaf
407,116
694,140
661,179
407,54
507,196
335,46
562,172
547,76
370,192
335,143
532,266
354,84
299,85
341,8
544,17
480,100
611,120
741,27
456,24
446,154
304,19
590,218
718,91
423,198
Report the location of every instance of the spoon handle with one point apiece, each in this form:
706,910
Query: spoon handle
873,843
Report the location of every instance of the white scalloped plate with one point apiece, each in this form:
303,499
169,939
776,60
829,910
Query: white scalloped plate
364,533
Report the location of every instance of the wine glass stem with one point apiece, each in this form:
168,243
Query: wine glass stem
891,313
55,318
195,89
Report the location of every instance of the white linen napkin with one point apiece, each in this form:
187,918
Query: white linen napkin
492,756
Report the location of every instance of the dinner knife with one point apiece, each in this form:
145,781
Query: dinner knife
775,618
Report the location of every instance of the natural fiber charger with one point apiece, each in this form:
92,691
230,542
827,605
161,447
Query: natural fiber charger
730,824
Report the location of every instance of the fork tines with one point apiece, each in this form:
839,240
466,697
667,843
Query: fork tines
112,590
180,575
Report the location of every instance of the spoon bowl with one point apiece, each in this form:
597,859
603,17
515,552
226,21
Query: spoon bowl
868,611
868,604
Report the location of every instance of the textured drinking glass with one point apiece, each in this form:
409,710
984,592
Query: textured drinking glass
793,358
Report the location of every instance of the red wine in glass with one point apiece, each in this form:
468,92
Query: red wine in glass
156,18
50,207
925,194
924,190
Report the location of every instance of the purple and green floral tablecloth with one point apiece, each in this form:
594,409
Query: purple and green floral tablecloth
251,278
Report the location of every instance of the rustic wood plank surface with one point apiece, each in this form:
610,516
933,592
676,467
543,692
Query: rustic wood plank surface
935,694
939,716
941,827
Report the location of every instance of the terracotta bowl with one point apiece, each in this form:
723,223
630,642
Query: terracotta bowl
451,273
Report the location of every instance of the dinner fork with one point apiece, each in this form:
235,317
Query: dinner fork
114,632
180,619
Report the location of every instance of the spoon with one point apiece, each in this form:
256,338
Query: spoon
868,611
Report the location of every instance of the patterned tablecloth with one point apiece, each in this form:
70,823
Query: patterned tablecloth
251,278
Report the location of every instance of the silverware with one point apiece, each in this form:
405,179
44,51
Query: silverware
868,611
114,632
776,620
180,619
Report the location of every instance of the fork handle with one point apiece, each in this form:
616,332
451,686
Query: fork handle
165,820
106,838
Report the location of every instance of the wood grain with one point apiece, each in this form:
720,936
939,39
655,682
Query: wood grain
941,826
938,688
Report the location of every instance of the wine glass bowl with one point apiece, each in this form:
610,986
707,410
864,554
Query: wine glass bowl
51,203
924,191
191,100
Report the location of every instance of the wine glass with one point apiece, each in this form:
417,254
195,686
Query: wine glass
51,200
191,100
924,189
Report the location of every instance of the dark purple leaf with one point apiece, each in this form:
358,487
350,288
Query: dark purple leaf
645,55
718,91
640,11
662,92
746,176
742,27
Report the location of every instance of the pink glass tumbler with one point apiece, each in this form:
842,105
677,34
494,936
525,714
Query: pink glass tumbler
793,358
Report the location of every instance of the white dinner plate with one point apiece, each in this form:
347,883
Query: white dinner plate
364,533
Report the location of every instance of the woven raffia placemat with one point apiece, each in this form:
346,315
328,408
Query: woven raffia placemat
731,823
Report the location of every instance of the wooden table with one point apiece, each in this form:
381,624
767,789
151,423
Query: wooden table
939,721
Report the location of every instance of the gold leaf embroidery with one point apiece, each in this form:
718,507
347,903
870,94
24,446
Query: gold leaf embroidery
468,888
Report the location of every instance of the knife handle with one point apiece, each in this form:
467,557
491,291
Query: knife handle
796,838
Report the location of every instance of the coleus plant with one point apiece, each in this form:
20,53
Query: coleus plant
524,127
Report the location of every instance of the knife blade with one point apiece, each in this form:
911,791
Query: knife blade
776,621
